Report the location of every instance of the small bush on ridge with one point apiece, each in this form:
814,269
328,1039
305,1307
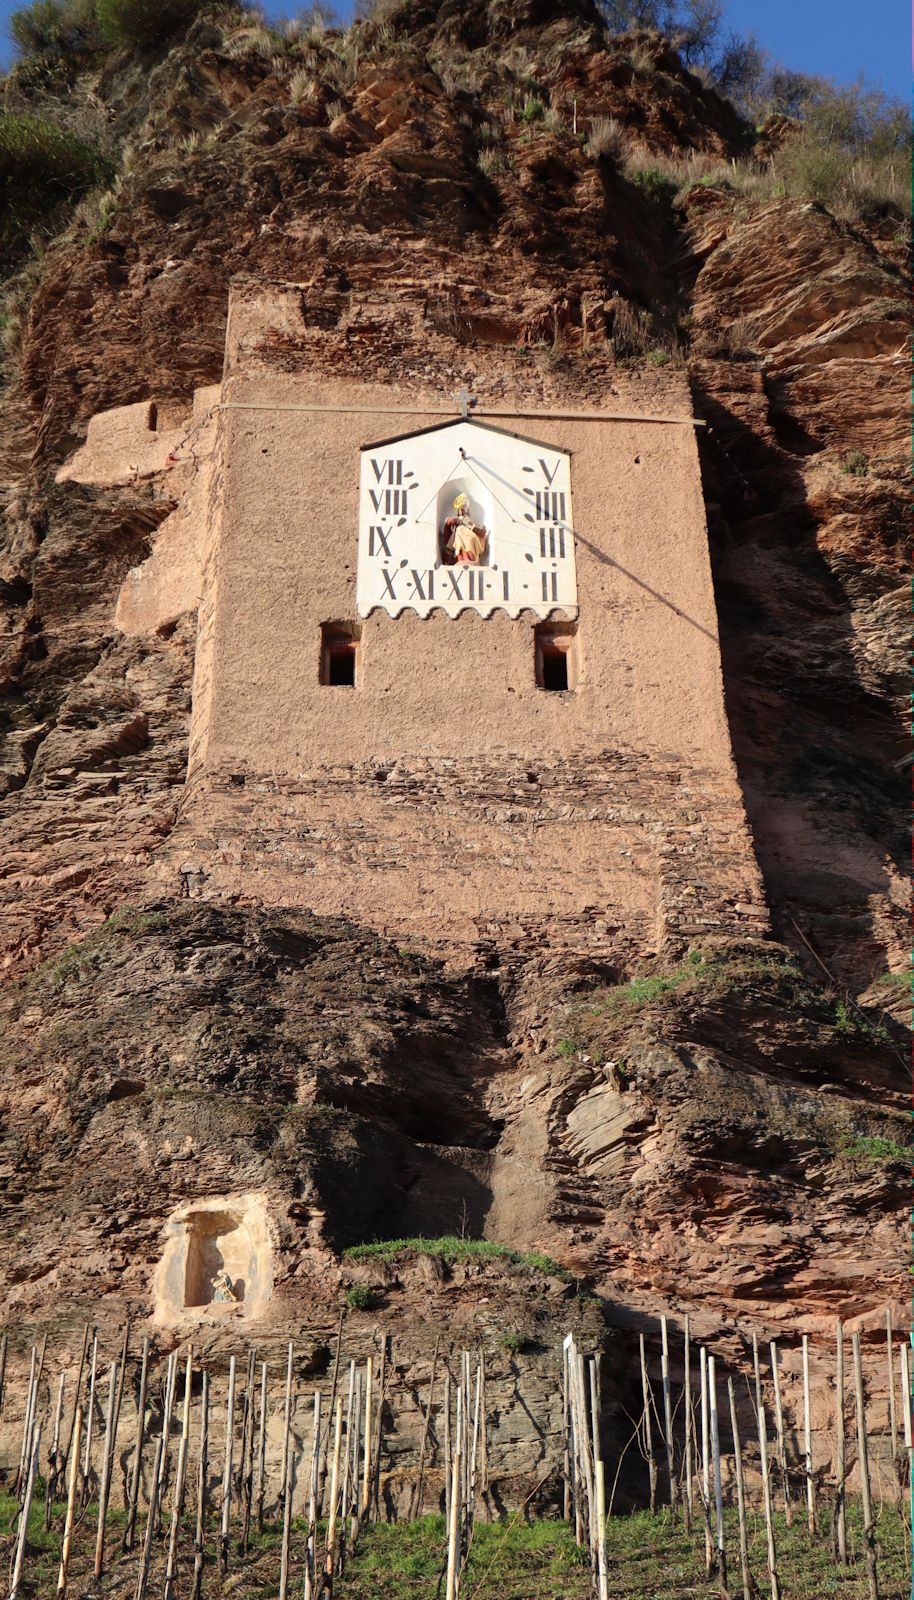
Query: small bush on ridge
607,140
41,166
54,28
360,1298
143,21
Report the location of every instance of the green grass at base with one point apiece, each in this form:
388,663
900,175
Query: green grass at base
649,1558
449,1248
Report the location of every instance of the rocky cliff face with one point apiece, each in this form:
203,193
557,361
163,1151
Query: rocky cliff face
706,1146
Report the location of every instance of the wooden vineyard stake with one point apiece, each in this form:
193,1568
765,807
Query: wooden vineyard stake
286,1423
331,1407
66,1547
781,1433
904,1351
79,1379
44,1349
136,1471
330,1551
484,1437
594,1413
769,1518
286,1523
311,1580
105,1481
453,1531
905,1354
718,1485
602,1572
757,1374
458,1455
448,1450
583,1435
354,1482
474,1436
647,1429
378,1429
4,1342
180,1474
30,1475
366,1438
55,1459
566,1438
171,1378
465,1406
807,1445
840,1450
260,1490
24,1447
863,1467
689,1489
576,1490
151,1518
348,1468
90,1412
415,1505
247,1454
892,1412
286,1428
706,1463
890,1385
668,1415
202,1470
226,1523
121,1381
740,1497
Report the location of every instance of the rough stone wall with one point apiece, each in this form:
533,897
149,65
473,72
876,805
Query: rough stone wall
613,856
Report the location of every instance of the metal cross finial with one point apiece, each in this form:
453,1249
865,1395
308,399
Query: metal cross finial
466,400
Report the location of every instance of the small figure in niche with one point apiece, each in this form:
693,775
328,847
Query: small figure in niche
223,1289
464,540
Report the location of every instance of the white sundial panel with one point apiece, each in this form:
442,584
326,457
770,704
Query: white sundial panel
519,490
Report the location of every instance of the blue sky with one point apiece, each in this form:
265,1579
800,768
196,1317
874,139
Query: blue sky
840,38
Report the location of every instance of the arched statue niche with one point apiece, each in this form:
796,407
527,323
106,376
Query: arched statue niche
464,520
217,1256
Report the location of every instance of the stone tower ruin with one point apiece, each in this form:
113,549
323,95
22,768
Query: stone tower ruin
522,750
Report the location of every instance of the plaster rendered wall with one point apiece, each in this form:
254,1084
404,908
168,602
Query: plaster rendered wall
650,668
447,799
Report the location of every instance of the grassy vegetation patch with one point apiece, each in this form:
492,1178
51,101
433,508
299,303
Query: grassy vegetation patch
78,960
143,21
894,980
42,167
450,1249
853,1024
360,1298
53,28
520,1558
876,1149
129,919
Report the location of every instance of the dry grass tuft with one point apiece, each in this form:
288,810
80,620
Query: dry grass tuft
607,141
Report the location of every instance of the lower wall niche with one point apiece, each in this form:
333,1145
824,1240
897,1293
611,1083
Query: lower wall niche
217,1259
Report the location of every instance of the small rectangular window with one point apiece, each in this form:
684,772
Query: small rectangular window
339,654
556,660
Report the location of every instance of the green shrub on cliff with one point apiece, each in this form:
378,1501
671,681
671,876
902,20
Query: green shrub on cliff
449,1248
54,28
143,21
877,1150
42,166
